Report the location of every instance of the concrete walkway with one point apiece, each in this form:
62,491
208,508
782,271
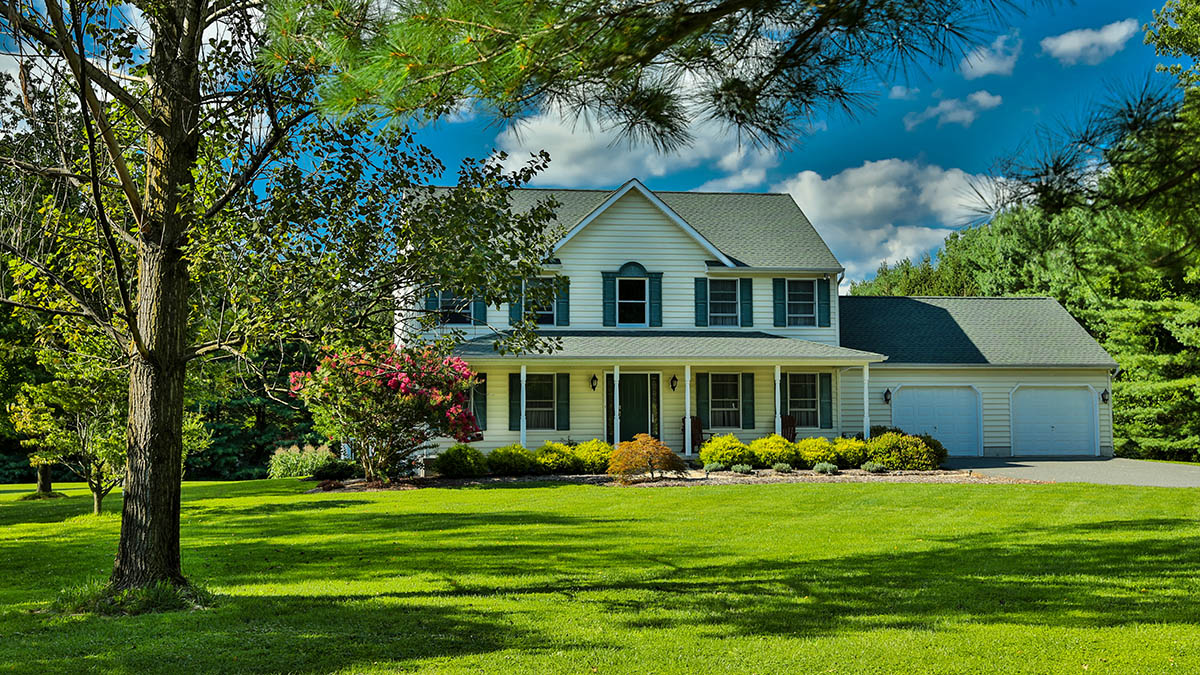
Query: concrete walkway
1105,470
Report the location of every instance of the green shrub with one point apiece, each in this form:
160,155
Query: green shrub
902,453
874,467
460,461
296,462
881,429
782,467
558,458
337,469
851,452
726,449
712,467
742,468
512,460
775,449
813,451
939,450
594,454
827,468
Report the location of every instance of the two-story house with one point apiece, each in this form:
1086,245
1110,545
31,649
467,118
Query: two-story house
723,307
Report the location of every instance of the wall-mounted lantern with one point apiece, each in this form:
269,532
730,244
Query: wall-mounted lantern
887,396
595,382
1104,396
674,382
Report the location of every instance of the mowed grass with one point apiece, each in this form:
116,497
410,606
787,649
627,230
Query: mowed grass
852,578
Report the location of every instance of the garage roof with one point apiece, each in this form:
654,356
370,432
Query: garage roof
1016,331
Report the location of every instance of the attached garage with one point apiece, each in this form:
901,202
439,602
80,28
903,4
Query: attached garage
1054,420
950,414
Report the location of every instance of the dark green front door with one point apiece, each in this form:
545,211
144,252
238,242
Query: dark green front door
639,405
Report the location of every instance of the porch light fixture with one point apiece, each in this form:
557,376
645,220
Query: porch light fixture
674,382
595,382
1104,396
887,396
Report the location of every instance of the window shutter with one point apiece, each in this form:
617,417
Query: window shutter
747,400
479,400
562,303
514,401
431,302
746,289
702,303
655,298
610,298
825,404
515,311
822,302
479,312
562,404
779,297
783,394
702,399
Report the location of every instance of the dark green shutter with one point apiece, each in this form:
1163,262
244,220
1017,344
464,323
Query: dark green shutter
562,302
779,298
746,288
562,403
747,400
479,312
783,395
610,298
515,309
655,298
514,401
702,399
701,302
825,404
479,400
823,302
431,302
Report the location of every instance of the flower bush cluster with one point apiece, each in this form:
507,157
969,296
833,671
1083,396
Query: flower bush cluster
890,451
388,402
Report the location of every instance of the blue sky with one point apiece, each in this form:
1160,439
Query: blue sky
893,181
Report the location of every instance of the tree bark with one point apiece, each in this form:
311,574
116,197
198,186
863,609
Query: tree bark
44,479
148,551
97,501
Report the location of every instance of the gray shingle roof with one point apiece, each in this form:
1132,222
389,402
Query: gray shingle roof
757,230
676,346
1020,331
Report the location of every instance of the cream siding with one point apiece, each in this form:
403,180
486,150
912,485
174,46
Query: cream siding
994,385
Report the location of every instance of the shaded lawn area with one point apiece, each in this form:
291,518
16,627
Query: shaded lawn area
789,578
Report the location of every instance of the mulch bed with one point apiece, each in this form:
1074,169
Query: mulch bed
694,478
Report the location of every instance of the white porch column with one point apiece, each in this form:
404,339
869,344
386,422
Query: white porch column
866,400
523,443
616,405
778,412
687,410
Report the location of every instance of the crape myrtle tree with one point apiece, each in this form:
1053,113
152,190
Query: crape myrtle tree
174,200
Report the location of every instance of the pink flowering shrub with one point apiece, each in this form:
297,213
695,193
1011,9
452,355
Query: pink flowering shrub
388,402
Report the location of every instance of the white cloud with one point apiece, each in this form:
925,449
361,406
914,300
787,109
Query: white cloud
954,111
998,58
903,93
884,211
1090,46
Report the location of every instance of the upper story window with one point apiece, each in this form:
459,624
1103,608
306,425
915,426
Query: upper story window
723,302
453,309
801,302
803,400
632,301
725,400
543,312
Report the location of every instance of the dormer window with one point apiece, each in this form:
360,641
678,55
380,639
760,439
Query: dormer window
632,302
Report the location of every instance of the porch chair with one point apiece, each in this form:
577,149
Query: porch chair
787,424
698,435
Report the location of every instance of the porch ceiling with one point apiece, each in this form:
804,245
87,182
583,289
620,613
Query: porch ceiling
668,345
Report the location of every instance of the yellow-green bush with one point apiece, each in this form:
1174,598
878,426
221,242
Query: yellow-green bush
851,452
594,454
558,458
725,450
512,460
899,452
774,449
813,451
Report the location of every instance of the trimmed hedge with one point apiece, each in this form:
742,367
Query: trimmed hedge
851,452
775,449
595,455
725,449
899,452
558,458
461,461
814,451
512,460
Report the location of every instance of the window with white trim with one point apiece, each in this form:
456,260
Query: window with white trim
801,302
454,309
725,400
633,300
723,302
803,399
543,314
539,401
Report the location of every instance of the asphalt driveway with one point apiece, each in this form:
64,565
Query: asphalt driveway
1105,470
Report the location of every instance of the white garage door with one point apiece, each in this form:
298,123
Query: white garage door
949,414
1053,421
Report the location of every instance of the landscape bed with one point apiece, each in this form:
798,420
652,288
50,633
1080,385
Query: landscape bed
559,578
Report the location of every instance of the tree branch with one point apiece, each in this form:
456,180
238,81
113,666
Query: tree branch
260,157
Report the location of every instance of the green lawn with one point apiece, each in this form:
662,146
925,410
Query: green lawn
571,579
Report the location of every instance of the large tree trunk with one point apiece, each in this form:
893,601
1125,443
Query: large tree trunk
44,482
97,501
148,552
